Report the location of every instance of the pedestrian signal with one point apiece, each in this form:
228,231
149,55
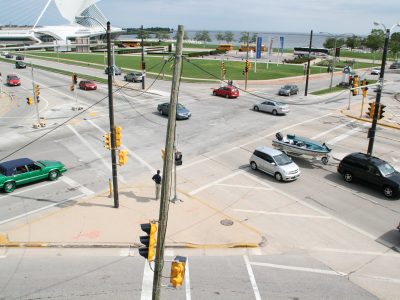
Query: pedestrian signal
371,109
107,141
74,79
149,240
122,157
29,100
178,271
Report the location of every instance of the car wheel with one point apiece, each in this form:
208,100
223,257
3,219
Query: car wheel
256,108
215,93
289,94
348,177
53,175
227,96
253,165
9,186
160,111
324,160
274,112
278,176
388,191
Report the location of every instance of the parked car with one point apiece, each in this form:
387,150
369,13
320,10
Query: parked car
87,85
19,57
117,71
134,77
181,111
9,55
376,71
395,65
273,107
289,89
372,171
227,91
21,171
275,163
20,64
13,80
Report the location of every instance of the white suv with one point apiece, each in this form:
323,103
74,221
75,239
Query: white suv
275,163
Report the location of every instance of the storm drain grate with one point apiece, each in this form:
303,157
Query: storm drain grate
226,222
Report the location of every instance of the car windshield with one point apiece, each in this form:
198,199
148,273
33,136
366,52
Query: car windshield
279,103
287,87
180,106
386,169
13,78
282,159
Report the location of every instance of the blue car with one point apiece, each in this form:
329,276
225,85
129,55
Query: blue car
182,112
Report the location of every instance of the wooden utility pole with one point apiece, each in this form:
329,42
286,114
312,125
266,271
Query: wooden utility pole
167,170
308,64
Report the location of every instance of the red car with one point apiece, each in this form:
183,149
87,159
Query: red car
228,91
13,80
87,85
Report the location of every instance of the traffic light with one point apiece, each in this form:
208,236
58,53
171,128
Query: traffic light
118,136
381,111
29,100
356,84
107,141
143,65
72,87
74,78
337,52
364,88
248,65
178,158
371,109
163,154
149,241
177,271
222,65
37,92
122,157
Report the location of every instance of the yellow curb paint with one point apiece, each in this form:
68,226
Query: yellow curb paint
3,239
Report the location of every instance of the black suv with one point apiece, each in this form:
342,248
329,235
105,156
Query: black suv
370,170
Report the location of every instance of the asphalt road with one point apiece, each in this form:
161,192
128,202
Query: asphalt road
216,142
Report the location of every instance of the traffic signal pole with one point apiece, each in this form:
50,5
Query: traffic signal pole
308,64
167,169
34,97
111,117
371,131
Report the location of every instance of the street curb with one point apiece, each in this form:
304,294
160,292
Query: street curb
126,245
368,120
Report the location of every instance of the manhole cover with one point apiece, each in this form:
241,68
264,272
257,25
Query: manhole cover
227,222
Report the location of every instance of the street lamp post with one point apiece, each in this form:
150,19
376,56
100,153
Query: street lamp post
371,131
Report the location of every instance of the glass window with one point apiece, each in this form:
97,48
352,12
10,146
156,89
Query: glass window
386,169
33,167
282,159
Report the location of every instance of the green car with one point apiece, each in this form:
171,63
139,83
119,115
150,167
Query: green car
20,171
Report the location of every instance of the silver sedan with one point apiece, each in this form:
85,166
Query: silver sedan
273,107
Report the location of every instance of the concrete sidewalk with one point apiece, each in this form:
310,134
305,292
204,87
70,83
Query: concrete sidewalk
94,222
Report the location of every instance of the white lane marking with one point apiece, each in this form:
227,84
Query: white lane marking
346,135
319,210
301,269
147,283
130,152
330,130
187,280
30,189
346,251
97,154
381,278
280,214
39,209
252,278
246,187
72,183
213,183
252,141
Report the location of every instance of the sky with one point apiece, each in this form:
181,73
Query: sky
336,17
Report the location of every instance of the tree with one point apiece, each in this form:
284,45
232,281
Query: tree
375,39
332,42
220,36
162,35
203,36
353,42
141,33
228,37
394,44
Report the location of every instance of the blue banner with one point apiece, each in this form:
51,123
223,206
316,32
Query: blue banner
259,46
281,39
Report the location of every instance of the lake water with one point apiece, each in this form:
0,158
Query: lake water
291,39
